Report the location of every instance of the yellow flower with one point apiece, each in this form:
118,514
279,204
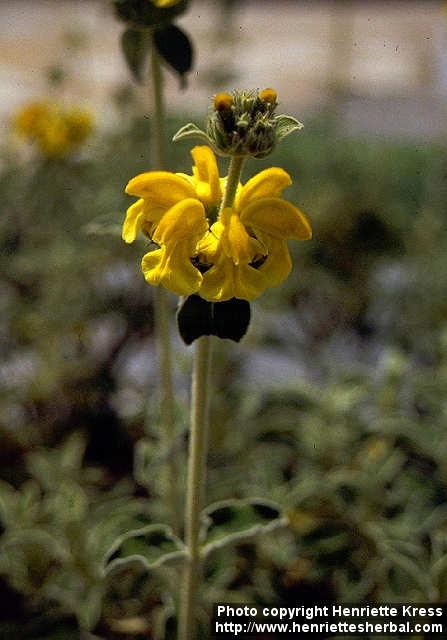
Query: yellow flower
172,210
55,130
247,246
239,255
177,233
26,120
79,124
52,136
160,190
164,4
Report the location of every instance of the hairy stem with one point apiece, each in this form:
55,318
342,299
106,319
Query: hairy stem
196,476
234,174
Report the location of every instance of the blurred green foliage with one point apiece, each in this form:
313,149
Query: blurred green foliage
332,407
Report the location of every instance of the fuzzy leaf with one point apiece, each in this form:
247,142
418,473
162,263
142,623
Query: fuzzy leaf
175,48
151,546
191,131
285,125
89,607
135,45
37,539
230,521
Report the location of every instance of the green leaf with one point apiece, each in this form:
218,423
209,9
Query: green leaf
71,452
230,521
148,454
37,539
68,504
135,45
175,47
104,225
410,566
89,607
285,125
151,546
191,131
8,497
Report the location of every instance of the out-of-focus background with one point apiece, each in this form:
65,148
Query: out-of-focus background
388,58
333,405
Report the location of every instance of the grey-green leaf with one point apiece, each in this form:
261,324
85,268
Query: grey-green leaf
230,521
89,607
151,546
285,125
191,131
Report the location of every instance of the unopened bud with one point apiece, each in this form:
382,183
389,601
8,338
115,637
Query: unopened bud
269,95
242,123
223,101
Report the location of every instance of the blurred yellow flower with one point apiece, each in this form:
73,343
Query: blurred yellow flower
164,4
55,130
237,253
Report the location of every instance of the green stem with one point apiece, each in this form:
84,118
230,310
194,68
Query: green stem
161,306
158,121
234,174
196,475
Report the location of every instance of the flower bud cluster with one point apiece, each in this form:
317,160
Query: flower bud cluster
243,123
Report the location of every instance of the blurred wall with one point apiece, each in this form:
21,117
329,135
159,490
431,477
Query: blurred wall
311,52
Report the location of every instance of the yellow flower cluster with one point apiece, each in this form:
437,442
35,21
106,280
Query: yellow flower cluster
56,130
237,252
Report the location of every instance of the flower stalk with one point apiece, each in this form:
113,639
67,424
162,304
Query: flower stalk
161,310
234,174
195,486
220,245
198,449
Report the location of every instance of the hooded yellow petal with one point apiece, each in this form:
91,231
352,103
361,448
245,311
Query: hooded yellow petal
134,220
218,283
209,243
171,267
207,176
225,280
249,283
191,179
153,265
184,220
161,188
140,216
234,238
277,264
278,218
265,184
